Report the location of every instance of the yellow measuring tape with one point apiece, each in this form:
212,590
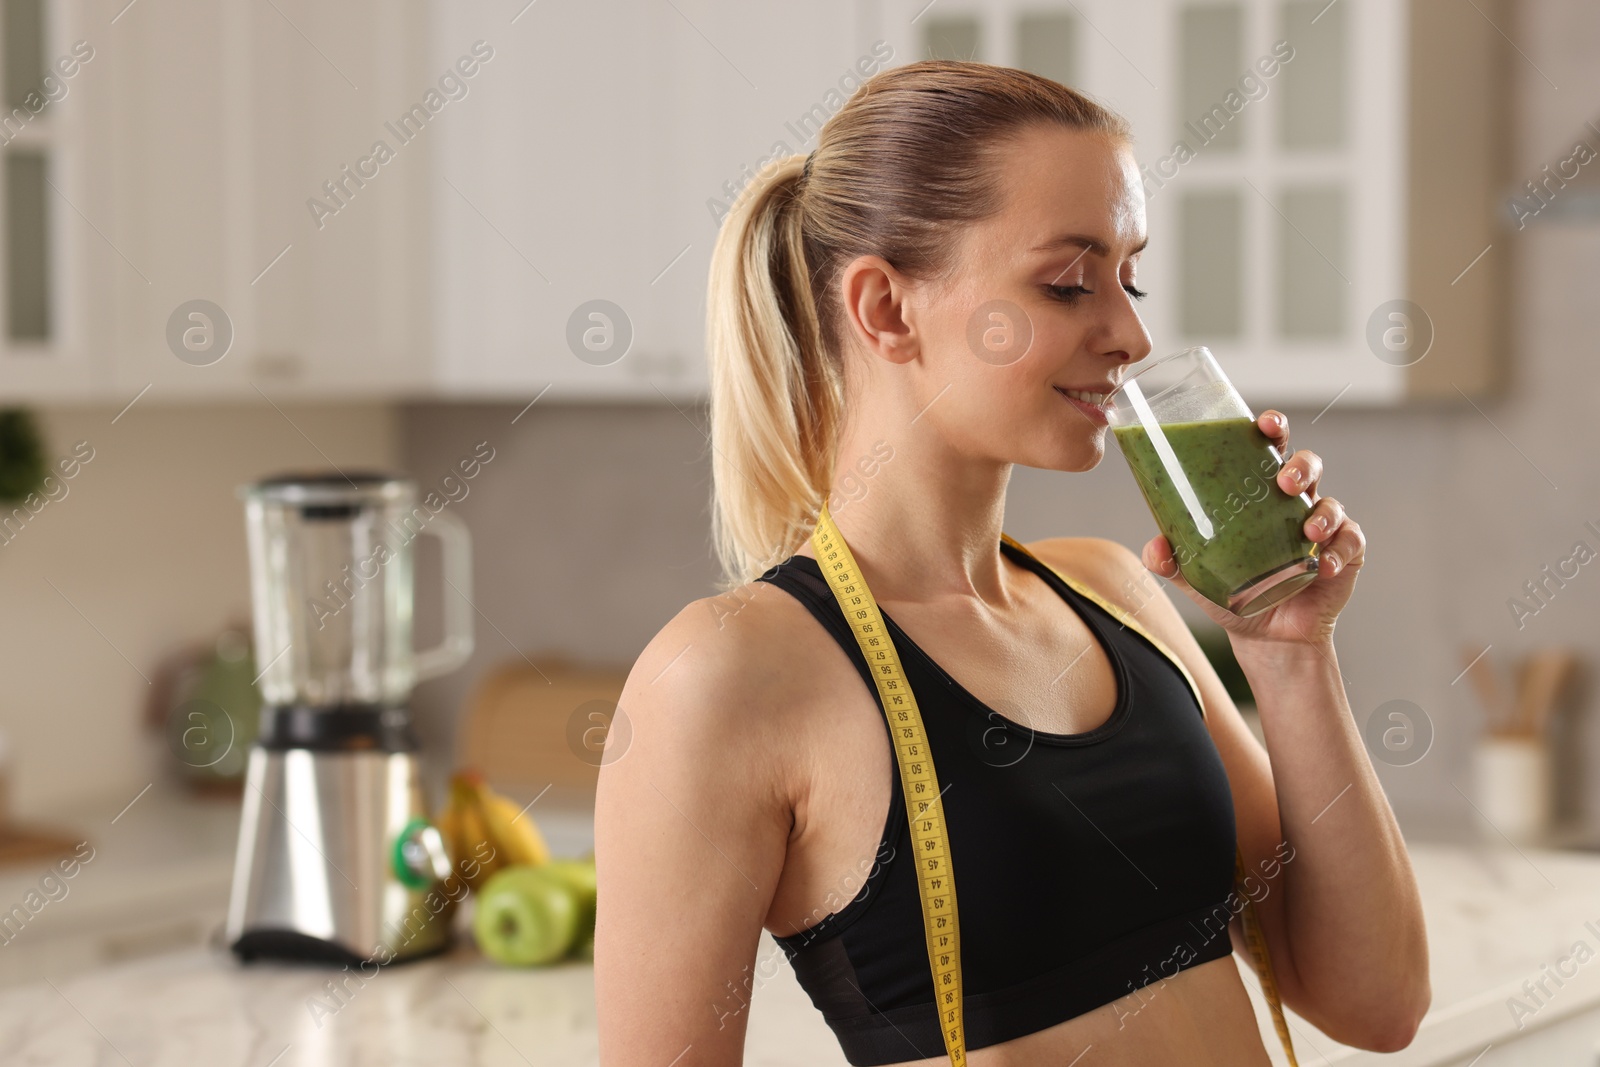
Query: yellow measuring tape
930,842
930,838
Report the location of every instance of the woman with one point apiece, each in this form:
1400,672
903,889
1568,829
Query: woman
757,789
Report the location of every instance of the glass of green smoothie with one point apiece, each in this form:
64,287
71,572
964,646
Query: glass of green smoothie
1210,477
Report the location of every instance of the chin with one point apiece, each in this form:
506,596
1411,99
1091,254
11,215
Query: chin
1074,457
1085,463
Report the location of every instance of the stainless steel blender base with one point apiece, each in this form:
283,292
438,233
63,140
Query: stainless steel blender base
328,842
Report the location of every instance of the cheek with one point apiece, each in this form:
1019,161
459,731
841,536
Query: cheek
997,401
984,340
1057,337
1012,414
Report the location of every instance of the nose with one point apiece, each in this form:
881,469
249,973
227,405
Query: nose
1125,338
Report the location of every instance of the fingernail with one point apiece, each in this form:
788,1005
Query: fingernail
1294,475
1333,562
1321,523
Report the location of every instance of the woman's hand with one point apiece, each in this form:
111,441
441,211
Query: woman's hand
1309,615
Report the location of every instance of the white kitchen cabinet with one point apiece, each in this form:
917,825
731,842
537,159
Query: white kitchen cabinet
1285,242
574,164
546,196
776,72
57,270
1273,140
182,166
230,119
585,170
345,308
548,220
177,205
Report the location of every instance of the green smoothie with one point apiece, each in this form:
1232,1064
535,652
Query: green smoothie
1255,528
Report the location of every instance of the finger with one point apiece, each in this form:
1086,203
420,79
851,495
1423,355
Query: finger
1301,472
1346,550
1275,424
1325,520
1157,556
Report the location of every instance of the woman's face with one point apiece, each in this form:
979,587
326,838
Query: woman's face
1039,300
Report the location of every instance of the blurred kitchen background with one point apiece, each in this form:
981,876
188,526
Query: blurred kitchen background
1393,234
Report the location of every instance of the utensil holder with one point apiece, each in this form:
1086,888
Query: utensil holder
1513,786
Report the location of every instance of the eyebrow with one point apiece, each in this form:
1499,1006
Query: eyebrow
1083,240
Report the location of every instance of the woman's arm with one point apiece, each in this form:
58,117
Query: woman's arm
1348,921
691,828
1349,904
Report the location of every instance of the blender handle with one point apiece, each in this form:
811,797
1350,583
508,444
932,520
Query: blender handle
456,557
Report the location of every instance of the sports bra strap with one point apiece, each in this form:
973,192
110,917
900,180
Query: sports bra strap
1116,612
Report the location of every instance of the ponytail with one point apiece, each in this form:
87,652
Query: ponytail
776,395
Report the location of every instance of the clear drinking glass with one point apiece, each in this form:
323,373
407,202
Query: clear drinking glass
331,587
1210,477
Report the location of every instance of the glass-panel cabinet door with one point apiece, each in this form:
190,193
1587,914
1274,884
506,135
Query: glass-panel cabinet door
44,200
1268,164
1316,105
27,144
50,202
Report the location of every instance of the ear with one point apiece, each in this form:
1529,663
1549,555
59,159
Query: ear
877,306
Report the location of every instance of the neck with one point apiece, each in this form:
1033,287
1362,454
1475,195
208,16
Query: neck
927,522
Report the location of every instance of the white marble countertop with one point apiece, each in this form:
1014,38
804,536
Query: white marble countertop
1495,917
157,877
141,840
200,1007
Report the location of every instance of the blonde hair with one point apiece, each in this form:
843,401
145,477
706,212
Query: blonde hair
906,160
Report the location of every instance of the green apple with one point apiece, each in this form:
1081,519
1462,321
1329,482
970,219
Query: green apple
525,916
579,876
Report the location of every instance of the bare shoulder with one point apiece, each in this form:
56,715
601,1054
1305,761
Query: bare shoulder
729,644
721,671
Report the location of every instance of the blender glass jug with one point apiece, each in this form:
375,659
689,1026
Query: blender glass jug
331,584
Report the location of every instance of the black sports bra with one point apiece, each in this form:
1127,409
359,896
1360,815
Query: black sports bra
1087,865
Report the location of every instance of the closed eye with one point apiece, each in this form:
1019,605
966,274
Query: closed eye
1069,293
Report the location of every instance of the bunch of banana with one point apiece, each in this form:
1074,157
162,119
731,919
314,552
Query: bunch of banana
484,831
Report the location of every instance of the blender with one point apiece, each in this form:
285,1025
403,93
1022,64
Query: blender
337,859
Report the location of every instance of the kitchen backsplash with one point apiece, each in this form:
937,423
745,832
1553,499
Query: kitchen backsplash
142,552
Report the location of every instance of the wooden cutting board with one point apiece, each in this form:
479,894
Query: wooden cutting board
19,844
541,722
